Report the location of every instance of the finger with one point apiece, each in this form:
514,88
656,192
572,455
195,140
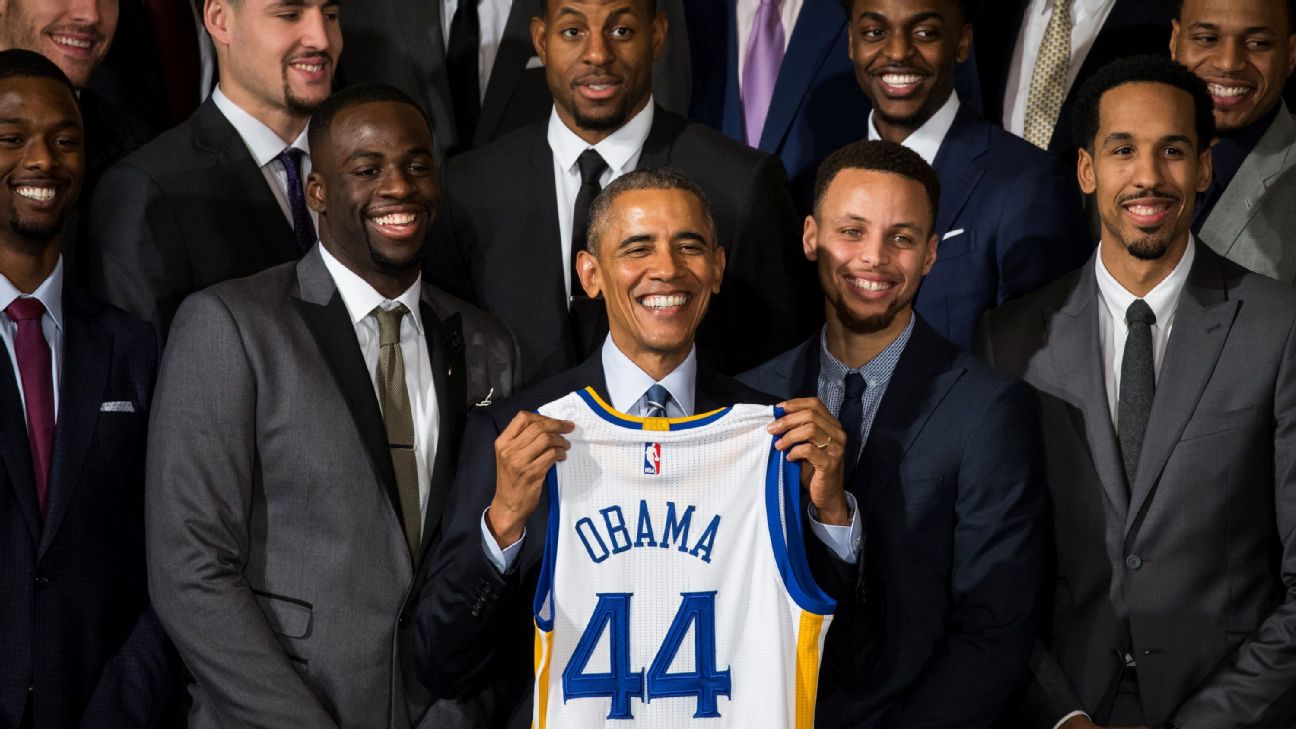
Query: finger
801,404
533,449
804,433
791,420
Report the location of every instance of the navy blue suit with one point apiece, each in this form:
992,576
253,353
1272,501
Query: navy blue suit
75,621
1021,219
935,627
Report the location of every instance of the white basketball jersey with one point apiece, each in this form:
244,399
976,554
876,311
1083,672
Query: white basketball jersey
675,590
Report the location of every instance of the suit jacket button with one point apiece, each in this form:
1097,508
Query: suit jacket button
42,580
1133,561
403,622
476,612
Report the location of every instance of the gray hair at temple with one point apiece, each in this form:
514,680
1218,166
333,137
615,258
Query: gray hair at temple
652,178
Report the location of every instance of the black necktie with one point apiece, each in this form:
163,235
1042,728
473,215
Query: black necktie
303,227
461,66
1137,386
852,420
592,167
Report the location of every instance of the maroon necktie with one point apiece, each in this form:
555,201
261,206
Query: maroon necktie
34,367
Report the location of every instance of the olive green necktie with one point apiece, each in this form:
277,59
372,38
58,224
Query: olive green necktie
1048,81
398,419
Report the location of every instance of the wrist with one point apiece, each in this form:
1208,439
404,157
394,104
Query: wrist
835,513
504,525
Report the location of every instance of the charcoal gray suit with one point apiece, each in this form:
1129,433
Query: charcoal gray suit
277,559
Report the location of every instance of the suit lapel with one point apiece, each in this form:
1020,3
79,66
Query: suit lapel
87,354
1201,325
15,451
1274,153
995,42
814,35
956,165
544,256
515,50
661,137
445,345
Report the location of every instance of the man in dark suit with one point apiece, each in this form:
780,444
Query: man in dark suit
305,435
1011,33
653,258
942,458
1010,218
220,196
1169,396
514,210
79,645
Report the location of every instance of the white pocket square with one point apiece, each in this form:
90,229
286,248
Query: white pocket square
117,406
534,62
952,233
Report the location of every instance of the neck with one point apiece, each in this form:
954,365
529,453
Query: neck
27,265
594,136
389,283
898,130
854,349
656,364
1135,274
286,124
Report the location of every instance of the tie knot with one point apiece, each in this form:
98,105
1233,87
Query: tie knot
655,401
854,386
1139,313
25,308
389,321
591,166
291,158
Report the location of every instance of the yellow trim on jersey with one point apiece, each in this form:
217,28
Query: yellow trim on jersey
647,423
543,658
807,668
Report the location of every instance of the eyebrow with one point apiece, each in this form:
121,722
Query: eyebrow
1200,25
1126,136
918,18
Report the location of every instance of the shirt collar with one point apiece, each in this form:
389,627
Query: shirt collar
1162,299
926,139
878,369
1085,8
360,298
261,140
50,293
627,383
617,150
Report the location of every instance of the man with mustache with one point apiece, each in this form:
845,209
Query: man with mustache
220,196
1167,376
1010,216
307,423
1245,50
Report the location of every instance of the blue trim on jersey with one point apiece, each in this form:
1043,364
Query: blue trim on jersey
789,551
606,412
544,586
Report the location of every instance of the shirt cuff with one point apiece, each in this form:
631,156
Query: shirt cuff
503,559
844,541
1068,717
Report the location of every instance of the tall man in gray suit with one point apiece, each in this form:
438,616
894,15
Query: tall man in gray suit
1168,383
1245,50
305,432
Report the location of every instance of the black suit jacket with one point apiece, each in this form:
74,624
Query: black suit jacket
188,210
936,626
75,621
496,243
1132,28
474,626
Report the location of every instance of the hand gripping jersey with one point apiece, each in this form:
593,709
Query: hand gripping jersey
674,590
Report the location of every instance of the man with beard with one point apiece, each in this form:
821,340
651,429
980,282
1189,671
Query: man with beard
942,456
1168,384
304,438
79,645
220,196
1245,50
516,209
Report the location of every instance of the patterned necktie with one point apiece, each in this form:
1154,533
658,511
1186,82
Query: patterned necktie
592,166
1137,386
852,419
655,401
1048,80
765,49
462,70
303,228
35,370
398,420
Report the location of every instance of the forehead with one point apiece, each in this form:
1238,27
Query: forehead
902,9
380,126
33,98
660,212
1236,14
879,196
1146,109
598,8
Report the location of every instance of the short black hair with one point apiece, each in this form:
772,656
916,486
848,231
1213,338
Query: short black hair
22,63
655,5
648,178
1291,14
1147,69
879,156
363,93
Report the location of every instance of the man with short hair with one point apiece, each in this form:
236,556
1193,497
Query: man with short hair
1010,216
306,429
220,196
942,456
1168,392
1245,50
80,644
515,210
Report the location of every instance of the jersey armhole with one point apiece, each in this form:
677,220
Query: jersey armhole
783,512
542,606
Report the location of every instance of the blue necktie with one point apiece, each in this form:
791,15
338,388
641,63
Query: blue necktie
303,228
655,402
852,420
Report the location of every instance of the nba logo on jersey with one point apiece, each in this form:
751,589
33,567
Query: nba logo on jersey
652,459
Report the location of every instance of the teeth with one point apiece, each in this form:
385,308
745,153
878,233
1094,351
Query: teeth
662,302
1227,92
395,219
899,79
599,87
36,193
1146,209
74,42
309,67
866,285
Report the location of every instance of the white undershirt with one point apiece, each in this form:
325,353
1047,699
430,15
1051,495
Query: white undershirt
493,16
745,17
926,140
264,145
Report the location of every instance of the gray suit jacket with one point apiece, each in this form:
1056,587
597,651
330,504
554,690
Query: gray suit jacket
1254,218
1192,568
277,560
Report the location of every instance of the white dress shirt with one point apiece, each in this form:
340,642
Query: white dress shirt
360,299
926,139
264,145
745,18
50,293
493,15
627,389
620,150
1087,18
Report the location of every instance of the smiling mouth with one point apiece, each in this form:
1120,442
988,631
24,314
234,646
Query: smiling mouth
1228,92
1149,212
39,193
661,302
869,285
396,225
80,44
